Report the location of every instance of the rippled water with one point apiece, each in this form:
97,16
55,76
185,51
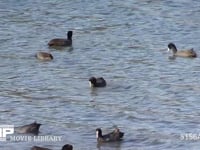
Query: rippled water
151,98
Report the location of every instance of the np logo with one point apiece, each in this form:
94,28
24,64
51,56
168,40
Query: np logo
5,130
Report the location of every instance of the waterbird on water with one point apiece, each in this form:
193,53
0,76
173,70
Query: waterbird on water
62,42
181,53
44,56
29,128
97,82
65,147
116,135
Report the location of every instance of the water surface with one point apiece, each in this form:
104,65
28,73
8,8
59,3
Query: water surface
151,98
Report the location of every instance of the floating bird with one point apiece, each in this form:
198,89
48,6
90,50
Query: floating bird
97,82
44,56
65,147
39,148
62,42
182,53
30,128
116,135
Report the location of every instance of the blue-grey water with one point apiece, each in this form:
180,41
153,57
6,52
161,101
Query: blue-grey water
153,99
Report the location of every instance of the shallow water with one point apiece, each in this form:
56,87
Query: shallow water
151,98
